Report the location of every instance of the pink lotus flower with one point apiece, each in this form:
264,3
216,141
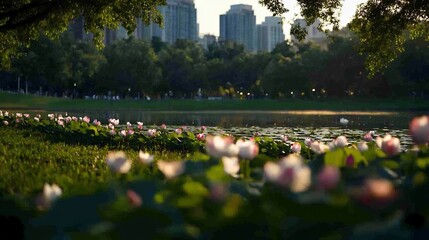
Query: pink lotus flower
296,147
114,121
341,141
111,126
247,149
118,162
123,133
328,178
368,137
163,126
178,131
151,132
308,142
217,146
26,115
231,165
60,123
390,145
203,128
18,115
140,125
112,132
36,119
68,119
201,136
350,161
284,138
5,123
6,114
134,199
129,125
74,119
376,193
1,113
419,129
318,147
86,119
130,132
51,116
363,147
96,123
171,169
289,172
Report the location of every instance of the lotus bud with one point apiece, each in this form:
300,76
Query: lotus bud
145,158
171,169
118,162
296,147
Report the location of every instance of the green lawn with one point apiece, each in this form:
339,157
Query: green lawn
15,101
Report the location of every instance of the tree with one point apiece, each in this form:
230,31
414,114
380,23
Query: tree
22,21
381,25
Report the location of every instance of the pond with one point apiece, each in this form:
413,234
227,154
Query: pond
227,119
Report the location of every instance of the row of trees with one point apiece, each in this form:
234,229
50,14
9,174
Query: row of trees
137,68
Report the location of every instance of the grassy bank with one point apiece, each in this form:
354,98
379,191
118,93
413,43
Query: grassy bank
15,101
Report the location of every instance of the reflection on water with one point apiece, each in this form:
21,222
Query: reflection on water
225,119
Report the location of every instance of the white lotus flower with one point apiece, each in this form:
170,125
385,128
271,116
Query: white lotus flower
231,165
145,158
171,169
341,141
118,162
362,146
247,149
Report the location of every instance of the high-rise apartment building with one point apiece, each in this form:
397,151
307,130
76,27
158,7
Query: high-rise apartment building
239,25
180,22
207,40
269,34
313,34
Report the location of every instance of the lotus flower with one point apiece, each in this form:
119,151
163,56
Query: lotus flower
289,172
178,131
26,115
319,147
344,121
151,132
96,123
50,194
247,149
328,178
296,147
390,145
74,119
231,165
60,123
163,126
308,142
368,137
68,119
118,162
203,128
145,158
114,121
171,169
376,192
5,123
217,146
140,125
6,114
1,113
284,138
201,136
86,119
134,199
36,119
341,141
123,133
18,115
130,132
363,147
350,161
129,125
419,129
112,132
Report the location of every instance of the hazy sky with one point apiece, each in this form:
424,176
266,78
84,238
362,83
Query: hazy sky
208,12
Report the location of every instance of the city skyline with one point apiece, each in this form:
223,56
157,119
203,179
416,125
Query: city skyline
208,12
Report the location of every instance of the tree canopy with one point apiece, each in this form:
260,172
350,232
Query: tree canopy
381,25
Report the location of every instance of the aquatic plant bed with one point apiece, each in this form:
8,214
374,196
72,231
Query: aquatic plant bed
64,177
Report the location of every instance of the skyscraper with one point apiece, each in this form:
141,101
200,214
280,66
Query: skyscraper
239,25
270,33
313,34
180,22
